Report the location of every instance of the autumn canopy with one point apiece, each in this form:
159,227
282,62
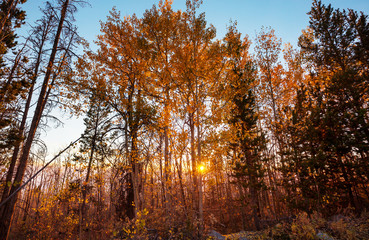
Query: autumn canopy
184,133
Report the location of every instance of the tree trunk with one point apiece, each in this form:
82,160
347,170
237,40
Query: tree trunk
194,164
255,207
166,159
199,160
180,179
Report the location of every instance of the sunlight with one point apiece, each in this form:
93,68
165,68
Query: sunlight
201,168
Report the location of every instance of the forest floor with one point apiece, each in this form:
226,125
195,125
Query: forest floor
306,226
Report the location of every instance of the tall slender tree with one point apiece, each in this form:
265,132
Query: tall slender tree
248,139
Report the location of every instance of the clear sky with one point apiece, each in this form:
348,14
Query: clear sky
286,17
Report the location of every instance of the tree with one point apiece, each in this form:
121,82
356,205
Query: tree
330,115
11,17
248,139
38,40
119,68
268,48
94,143
12,73
160,28
273,93
197,67
48,82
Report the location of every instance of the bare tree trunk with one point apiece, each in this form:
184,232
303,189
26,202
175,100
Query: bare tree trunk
180,179
135,174
255,207
163,199
194,164
152,187
28,201
201,213
166,160
243,214
133,155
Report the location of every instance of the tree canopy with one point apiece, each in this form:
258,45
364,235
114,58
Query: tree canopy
183,132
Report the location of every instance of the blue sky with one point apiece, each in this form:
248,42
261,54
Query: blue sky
286,17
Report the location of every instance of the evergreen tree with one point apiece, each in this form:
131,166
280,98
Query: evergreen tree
13,77
95,142
248,140
11,17
328,158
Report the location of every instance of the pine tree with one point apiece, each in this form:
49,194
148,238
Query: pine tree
94,143
330,123
248,139
13,77
11,17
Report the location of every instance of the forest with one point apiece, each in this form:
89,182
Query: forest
186,135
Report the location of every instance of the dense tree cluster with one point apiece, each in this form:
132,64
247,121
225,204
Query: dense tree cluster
183,132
